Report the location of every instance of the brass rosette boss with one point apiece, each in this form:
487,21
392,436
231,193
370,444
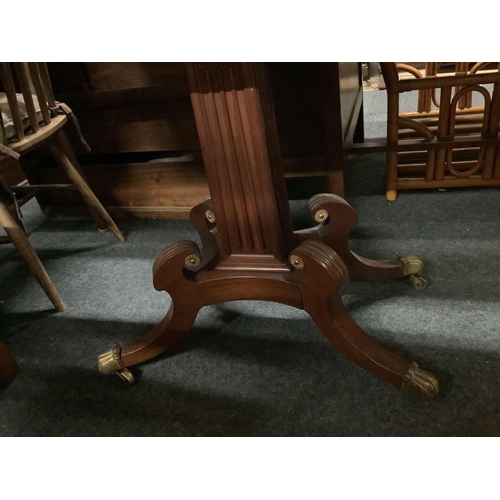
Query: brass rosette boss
192,261
320,215
296,262
210,216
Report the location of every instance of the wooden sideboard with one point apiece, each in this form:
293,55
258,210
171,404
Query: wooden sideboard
145,158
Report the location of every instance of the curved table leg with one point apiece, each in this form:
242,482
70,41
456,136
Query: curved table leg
172,272
160,339
345,334
314,285
321,299
336,219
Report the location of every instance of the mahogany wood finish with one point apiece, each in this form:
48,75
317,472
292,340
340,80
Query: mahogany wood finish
340,219
250,251
342,97
239,142
135,115
319,114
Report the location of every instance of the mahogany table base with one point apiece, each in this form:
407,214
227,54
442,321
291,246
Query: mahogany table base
317,270
249,249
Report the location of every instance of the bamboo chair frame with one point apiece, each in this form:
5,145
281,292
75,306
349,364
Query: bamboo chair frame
446,142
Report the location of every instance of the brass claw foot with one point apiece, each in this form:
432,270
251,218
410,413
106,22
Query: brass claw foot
111,362
413,268
420,383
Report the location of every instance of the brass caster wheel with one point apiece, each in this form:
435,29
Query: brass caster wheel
419,280
126,376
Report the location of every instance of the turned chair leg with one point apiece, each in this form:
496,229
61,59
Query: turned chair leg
89,197
20,240
9,369
65,145
391,192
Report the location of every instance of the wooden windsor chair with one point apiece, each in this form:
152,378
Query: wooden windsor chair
447,141
15,232
32,120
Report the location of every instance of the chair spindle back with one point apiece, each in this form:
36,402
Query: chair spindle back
27,79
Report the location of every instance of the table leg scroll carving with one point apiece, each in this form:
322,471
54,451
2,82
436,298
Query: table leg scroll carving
202,218
173,272
336,220
327,274
314,283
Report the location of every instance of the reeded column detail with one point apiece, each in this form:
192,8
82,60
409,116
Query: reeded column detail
235,119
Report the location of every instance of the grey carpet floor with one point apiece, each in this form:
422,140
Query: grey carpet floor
255,368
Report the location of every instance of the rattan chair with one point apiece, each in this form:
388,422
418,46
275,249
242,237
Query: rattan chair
447,141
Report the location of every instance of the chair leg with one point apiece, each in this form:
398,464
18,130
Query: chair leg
89,197
20,240
9,369
392,176
70,153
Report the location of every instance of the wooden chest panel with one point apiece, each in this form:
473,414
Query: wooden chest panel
126,110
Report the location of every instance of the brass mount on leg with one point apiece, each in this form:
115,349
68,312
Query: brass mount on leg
420,383
413,268
412,264
111,362
210,216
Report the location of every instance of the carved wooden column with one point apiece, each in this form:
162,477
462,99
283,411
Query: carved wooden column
249,249
239,141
